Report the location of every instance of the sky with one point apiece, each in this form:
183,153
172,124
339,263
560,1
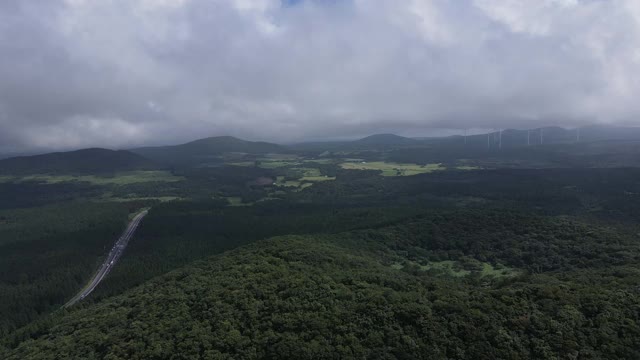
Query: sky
123,73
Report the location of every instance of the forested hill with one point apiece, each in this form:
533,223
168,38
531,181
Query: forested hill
386,139
85,161
204,149
457,285
372,142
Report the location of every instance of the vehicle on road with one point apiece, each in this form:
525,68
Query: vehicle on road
111,259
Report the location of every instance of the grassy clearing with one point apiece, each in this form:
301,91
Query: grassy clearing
312,175
289,183
309,172
304,186
317,178
393,169
308,176
456,269
498,271
280,181
159,198
243,163
124,178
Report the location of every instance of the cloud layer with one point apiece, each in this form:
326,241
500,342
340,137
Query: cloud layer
76,73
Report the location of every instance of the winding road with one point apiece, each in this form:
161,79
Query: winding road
110,261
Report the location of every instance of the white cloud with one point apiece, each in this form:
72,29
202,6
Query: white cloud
123,72
536,18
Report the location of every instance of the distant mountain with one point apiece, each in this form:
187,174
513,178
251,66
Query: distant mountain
206,150
509,138
544,136
372,142
16,154
386,139
80,161
609,133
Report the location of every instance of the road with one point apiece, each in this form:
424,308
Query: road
110,261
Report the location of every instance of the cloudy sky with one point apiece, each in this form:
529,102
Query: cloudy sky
117,73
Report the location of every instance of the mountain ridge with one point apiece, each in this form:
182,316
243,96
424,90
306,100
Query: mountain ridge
386,139
204,149
91,160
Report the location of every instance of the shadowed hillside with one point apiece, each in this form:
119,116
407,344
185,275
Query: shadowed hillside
93,161
386,139
205,151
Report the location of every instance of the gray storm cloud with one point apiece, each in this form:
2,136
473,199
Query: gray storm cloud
76,73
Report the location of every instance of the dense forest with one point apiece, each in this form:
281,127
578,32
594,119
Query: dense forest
48,253
176,234
566,290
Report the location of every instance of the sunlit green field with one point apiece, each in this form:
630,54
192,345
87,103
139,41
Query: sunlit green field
393,169
467,167
498,271
124,178
313,175
243,163
280,181
307,178
142,198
